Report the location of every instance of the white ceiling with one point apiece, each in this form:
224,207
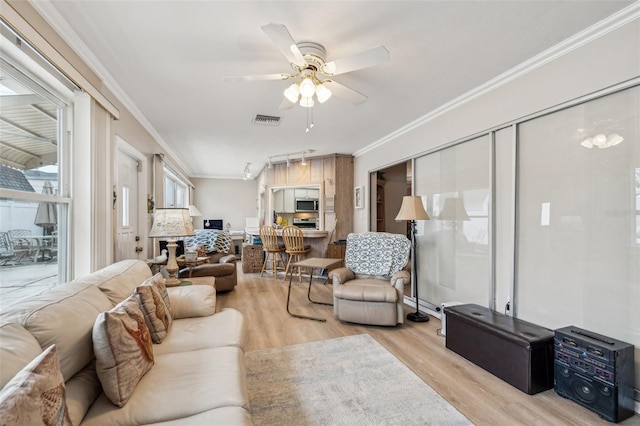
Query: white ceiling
169,58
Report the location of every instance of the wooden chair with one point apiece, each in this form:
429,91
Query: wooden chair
294,247
272,251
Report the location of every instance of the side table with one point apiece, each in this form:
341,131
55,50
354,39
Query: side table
311,263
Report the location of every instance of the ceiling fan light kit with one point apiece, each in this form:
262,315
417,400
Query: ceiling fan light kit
307,59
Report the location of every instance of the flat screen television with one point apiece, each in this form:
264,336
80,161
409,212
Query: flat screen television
213,224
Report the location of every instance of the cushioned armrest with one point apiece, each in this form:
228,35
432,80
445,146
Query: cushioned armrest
230,258
400,278
341,275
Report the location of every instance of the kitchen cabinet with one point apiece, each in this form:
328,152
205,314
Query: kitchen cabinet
307,193
289,201
284,201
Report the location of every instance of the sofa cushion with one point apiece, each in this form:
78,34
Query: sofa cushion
225,328
156,313
82,390
123,348
36,395
237,416
179,386
192,301
63,316
367,289
17,348
119,280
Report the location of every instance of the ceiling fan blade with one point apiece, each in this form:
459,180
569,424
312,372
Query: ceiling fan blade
343,92
286,104
368,58
284,42
257,77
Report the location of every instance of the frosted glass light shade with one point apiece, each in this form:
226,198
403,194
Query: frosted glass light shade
307,88
323,93
306,102
292,92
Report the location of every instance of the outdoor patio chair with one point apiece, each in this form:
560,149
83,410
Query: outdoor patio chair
21,246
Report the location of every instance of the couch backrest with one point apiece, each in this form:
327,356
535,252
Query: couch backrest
377,253
64,315
17,348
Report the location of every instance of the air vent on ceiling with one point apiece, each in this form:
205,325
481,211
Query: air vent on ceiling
266,120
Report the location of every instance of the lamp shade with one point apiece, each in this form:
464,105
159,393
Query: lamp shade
412,209
453,210
171,223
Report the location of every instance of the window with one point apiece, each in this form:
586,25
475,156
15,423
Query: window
175,190
34,204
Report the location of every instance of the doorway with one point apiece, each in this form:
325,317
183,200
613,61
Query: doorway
129,204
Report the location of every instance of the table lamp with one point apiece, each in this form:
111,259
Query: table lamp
171,223
412,210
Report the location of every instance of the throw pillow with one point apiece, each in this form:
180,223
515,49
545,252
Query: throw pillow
123,349
223,243
36,395
192,301
158,281
155,311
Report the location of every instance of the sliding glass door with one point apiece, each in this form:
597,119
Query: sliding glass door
453,246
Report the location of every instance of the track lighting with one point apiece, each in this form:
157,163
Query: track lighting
287,157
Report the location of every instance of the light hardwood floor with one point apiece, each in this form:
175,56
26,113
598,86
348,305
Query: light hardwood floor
481,397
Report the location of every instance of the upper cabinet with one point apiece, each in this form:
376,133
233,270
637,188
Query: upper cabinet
312,193
284,200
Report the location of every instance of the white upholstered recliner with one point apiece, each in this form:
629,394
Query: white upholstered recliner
370,288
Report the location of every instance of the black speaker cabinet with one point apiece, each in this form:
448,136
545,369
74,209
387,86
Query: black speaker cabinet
595,371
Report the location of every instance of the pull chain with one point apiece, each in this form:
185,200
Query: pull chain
309,125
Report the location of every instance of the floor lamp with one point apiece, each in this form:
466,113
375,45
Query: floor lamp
412,210
170,224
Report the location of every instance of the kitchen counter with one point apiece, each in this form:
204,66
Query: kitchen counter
315,238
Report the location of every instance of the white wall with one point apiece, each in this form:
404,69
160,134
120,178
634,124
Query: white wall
611,59
231,200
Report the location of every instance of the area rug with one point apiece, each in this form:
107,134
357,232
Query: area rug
350,380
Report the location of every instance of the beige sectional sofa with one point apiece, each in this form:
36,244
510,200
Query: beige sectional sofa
198,374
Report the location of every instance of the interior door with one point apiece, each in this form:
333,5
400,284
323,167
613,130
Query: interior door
128,244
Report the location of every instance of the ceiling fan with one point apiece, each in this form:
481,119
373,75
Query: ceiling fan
313,74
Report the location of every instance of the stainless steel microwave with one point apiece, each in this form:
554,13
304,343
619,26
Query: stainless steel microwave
306,205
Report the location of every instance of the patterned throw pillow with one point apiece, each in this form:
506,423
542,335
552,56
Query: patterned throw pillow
158,282
156,314
36,395
123,350
223,243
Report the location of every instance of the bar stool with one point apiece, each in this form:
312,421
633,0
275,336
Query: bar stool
294,247
272,251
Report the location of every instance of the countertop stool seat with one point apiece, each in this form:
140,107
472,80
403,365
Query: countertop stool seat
295,247
272,251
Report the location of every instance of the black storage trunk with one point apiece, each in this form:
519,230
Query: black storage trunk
517,351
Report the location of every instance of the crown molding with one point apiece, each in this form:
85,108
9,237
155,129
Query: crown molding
611,23
63,29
